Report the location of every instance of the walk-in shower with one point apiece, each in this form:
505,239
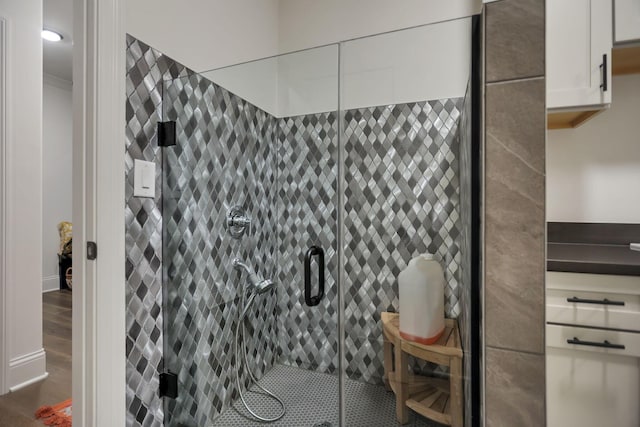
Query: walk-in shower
298,189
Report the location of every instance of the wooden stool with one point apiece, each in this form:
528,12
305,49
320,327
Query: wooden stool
435,398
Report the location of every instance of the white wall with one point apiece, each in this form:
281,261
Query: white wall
206,34
418,64
57,121
402,66
307,23
256,82
593,171
308,82
23,302
425,64
286,85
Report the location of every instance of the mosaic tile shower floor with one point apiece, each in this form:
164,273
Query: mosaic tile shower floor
311,398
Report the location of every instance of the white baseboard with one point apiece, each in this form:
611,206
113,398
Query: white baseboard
50,283
27,369
29,382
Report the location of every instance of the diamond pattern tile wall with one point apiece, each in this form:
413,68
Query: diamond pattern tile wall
307,215
401,199
224,157
146,69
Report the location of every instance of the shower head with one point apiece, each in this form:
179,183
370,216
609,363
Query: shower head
264,286
258,285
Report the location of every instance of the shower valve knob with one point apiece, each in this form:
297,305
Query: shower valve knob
237,222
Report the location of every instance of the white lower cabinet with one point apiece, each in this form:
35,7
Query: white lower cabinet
593,350
592,389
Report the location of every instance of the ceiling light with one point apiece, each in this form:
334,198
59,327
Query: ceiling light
52,36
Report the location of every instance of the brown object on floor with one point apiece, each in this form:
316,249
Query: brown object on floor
17,408
435,398
55,415
68,275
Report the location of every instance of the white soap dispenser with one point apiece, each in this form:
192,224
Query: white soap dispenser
421,292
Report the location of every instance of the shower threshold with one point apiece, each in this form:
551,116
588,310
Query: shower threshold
311,399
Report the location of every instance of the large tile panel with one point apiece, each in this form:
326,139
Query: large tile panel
515,116
514,39
515,389
515,217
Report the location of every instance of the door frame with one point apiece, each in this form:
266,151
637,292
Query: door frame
99,358
4,321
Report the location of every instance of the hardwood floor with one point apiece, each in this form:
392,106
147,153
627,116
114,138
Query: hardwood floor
16,409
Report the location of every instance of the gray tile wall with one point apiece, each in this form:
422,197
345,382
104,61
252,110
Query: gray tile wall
224,157
401,199
146,69
307,215
514,213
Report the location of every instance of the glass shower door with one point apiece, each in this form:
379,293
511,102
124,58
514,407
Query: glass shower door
250,239
289,210
407,170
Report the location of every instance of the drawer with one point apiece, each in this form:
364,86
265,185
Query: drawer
598,309
605,283
593,340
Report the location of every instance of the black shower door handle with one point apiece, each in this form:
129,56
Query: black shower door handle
315,299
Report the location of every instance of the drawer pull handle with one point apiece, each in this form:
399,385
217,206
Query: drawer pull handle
605,344
603,67
595,301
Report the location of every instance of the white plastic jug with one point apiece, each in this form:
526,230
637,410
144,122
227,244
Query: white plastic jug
421,289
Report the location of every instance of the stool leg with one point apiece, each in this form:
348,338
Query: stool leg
402,385
388,362
455,381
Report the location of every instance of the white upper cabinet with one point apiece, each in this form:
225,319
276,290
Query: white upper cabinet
627,22
579,41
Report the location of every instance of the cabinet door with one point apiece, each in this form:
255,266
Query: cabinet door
579,33
627,21
589,389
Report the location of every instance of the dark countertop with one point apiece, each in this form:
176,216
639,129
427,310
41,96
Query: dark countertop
593,258
598,248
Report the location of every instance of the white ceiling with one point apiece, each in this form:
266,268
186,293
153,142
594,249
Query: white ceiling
57,56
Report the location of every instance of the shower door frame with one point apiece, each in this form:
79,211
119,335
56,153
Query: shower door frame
477,219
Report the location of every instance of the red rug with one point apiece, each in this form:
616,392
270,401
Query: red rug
57,415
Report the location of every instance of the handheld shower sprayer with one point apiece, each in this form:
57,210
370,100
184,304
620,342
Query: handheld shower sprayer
258,285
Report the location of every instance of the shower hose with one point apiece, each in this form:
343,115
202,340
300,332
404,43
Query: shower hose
241,345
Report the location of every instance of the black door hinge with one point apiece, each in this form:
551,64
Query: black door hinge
166,133
168,385
92,250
